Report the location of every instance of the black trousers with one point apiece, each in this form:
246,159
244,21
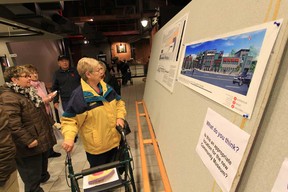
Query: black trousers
32,169
103,158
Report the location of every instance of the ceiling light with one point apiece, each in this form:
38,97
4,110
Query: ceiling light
144,22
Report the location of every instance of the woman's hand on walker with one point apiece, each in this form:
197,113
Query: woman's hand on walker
68,145
120,122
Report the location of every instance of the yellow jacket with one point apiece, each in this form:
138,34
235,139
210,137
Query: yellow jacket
94,117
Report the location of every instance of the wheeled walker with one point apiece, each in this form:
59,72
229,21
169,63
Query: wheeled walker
123,164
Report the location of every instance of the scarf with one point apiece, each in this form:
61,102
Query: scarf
41,91
29,93
38,89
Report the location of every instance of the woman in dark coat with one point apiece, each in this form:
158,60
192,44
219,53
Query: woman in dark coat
8,172
31,127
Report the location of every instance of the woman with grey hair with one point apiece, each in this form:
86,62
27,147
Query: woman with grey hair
94,110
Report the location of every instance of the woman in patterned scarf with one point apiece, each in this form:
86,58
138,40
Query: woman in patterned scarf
31,127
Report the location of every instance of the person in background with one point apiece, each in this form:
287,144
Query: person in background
126,73
146,66
110,69
31,127
105,72
94,110
146,69
46,98
65,80
8,173
110,79
118,65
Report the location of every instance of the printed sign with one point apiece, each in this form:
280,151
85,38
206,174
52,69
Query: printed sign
221,147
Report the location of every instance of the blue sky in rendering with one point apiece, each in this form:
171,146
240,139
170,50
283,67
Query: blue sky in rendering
226,44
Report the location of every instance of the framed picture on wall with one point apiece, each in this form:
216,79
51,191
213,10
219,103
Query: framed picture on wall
121,48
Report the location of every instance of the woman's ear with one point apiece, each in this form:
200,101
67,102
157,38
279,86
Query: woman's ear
87,74
14,80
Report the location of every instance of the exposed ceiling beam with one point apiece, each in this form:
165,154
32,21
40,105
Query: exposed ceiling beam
29,1
11,30
110,17
119,33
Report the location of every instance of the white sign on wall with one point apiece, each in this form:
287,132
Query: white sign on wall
169,54
281,183
221,147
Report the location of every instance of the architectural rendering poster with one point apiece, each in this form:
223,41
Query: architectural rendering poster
229,69
170,51
221,147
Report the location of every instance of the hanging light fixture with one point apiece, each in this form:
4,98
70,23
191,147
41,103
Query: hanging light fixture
86,41
144,22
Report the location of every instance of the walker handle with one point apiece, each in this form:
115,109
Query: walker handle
121,131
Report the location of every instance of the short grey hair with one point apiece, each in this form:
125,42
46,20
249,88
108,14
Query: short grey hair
86,64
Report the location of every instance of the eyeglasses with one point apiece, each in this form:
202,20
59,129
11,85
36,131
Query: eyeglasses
99,69
25,76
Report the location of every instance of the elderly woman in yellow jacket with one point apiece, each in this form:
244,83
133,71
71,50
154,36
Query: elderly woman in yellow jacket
93,111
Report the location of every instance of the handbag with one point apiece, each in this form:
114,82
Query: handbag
122,148
126,128
57,132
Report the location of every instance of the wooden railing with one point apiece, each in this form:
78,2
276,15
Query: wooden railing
153,141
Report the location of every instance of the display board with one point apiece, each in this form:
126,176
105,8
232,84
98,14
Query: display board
178,117
169,55
228,69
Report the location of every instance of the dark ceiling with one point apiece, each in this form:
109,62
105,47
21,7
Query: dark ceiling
92,19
